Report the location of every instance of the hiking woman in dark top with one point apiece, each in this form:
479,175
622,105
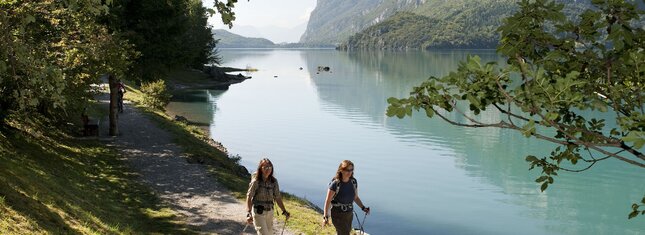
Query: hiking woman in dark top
341,195
263,190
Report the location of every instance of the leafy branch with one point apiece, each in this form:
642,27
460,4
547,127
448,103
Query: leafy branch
557,69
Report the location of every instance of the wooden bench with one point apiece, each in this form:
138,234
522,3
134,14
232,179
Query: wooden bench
90,126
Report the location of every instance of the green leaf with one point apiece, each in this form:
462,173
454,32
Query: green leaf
531,158
633,214
400,113
551,116
619,45
544,186
429,112
528,129
33,102
393,100
572,75
541,178
636,137
391,111
473,63
29,19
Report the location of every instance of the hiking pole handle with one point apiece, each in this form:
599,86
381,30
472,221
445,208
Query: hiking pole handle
365,209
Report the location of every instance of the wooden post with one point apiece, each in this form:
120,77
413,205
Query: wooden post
113,105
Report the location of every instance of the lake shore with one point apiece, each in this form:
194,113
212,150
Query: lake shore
305,215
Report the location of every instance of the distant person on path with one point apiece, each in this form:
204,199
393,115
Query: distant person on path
121,91
341,195
263,190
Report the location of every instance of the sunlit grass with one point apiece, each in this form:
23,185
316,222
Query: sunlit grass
53,183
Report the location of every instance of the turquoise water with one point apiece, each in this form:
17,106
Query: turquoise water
419,176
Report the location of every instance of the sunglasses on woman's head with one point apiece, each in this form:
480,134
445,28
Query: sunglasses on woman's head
349,170
267,167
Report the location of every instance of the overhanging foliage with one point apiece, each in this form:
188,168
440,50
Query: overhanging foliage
558,70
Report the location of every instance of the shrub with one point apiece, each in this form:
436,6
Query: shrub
156,94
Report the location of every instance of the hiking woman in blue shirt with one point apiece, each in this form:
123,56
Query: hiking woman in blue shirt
341,195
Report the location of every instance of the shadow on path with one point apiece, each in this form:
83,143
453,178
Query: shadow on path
187,188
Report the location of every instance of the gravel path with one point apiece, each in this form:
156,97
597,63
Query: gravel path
187,187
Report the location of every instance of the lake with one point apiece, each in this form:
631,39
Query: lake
418,175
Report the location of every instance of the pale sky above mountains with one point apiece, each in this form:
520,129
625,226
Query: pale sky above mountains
276,20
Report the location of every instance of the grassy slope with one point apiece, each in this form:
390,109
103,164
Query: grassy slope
304,218
52,183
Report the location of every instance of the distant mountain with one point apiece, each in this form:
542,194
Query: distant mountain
427,23
274,33
446,24
333,21
231,40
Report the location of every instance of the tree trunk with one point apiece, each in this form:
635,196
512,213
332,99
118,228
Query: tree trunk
113,105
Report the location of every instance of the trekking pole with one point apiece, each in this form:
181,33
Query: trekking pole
285,225
246,226
359,222
363,224
360,227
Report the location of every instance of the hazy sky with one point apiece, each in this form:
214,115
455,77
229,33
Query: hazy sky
267,17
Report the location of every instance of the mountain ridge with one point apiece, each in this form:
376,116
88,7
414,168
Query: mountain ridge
456,23
231,40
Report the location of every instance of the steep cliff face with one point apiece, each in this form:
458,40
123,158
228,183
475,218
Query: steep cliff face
446,24
333,21
467,23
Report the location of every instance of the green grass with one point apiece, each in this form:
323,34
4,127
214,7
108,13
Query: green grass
194,141
53,183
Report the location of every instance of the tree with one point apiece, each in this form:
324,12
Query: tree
225,10
557,69
167,34
50,51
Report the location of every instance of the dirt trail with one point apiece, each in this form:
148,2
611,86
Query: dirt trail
187,187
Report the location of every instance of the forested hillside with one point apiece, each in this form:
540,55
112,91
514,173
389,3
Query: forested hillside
231,40
454,23
333,21
444,24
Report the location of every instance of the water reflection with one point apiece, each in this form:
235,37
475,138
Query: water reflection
231,56
421,176
198,105
362,81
